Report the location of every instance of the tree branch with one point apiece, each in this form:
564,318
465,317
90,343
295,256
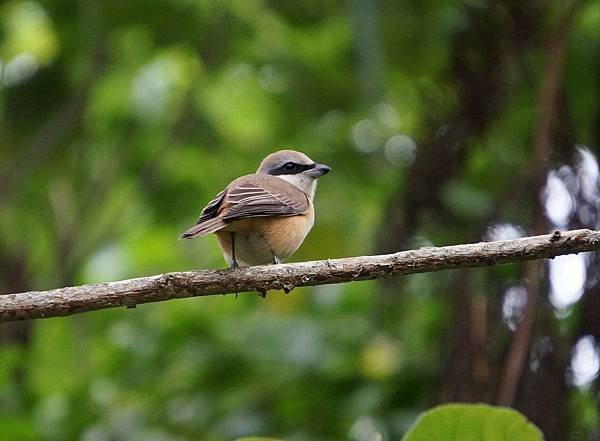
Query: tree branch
129,293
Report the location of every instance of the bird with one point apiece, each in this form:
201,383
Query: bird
263,217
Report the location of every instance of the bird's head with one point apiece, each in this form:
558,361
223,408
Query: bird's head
295,168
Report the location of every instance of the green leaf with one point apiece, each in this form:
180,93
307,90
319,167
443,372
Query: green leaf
472,422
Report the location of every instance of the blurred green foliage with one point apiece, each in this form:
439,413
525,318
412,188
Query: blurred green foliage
121,119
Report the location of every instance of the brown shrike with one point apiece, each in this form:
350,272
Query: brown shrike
263,217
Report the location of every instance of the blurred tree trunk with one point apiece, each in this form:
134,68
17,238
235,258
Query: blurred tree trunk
539,386
476,66
472,372
442,153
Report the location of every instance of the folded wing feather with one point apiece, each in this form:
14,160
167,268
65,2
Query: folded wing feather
249,196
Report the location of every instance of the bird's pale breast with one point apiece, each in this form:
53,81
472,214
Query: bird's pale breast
258,238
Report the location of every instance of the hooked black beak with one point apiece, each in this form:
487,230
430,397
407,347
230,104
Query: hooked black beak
318,170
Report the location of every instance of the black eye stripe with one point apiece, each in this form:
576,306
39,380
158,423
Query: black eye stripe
298,168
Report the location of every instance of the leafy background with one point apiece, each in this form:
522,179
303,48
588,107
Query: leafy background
445,122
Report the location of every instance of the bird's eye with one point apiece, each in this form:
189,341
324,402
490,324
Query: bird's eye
289,166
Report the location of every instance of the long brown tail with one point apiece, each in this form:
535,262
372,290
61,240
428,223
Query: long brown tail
204,228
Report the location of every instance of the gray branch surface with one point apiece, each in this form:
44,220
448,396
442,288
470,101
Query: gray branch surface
129,293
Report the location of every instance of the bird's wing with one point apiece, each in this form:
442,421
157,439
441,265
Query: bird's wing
262,195
249,196
212,208
209,220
